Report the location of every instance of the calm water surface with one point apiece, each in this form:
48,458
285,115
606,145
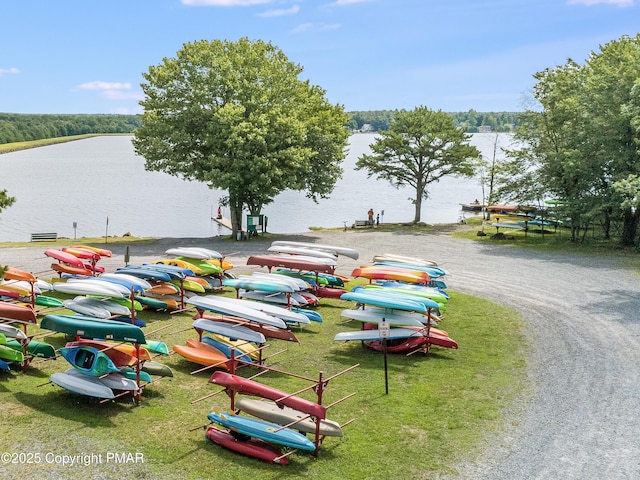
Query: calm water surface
101,185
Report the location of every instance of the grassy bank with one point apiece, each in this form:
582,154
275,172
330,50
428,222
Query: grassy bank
438,407
16,146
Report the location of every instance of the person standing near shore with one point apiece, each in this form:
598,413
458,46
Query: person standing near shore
370,213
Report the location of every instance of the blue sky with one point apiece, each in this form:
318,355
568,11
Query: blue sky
88,56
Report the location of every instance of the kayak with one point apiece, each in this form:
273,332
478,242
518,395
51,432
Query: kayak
231,330
93,328
202,354
34,348
251,447
17,313
89,360
82,385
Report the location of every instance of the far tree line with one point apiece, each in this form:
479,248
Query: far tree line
17,127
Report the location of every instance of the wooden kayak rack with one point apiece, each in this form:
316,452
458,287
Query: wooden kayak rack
316,410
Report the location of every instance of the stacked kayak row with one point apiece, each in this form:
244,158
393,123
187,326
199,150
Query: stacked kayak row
237,328
400,309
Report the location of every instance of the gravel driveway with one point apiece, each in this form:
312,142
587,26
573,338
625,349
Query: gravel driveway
580,419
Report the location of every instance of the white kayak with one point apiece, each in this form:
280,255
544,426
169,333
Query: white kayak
230,330
12,332
366,335
291,250
376,315
87,288
221,306
283,313
347,252
82,385
197,253
114,381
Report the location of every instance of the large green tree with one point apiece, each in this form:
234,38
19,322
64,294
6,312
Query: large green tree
420,147
236,116
582,141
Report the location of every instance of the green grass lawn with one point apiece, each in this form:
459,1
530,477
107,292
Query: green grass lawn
438,409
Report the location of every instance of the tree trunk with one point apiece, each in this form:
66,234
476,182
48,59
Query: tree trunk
235,207
629,227
416,218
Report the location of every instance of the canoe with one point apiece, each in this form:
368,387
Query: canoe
63,257
88,288
12,332
347,252
289,262
391,273
282,313
156,368
271,412
17,313
9,354
114,381
103,252
231,330
365,335
292,250
93,328
202,354
15,274
250,447
267,431
85,385
227,348
385,301
89,360
222,306
246,386
34,348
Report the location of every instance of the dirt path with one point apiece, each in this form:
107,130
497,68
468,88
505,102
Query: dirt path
581,418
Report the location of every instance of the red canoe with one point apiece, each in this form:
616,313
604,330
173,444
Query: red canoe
292,263
17,313
251,387
252,447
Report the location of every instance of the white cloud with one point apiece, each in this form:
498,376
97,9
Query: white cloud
280,12
98,85
224,3
316,27
8,71
619,3
342,3
112,90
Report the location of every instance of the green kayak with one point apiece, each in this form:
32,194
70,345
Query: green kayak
8,353
157,368
34,348
45,301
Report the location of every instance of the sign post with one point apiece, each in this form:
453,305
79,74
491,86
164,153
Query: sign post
384,329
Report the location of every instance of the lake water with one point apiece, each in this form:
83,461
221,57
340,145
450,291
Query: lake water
100,185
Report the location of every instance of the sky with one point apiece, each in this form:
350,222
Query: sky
88,56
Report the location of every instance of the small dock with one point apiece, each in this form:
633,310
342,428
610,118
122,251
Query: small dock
225,222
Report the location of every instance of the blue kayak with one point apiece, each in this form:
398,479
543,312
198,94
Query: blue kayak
267,431
385,301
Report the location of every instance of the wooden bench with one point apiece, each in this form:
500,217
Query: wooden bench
44,237
362,223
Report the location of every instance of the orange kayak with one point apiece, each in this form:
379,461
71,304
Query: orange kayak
202,354
100,251
391,273
15,274
17,313
70,269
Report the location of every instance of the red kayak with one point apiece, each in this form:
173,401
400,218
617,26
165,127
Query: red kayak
292,263
329,292
17,313
63,257
251,387
251,447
